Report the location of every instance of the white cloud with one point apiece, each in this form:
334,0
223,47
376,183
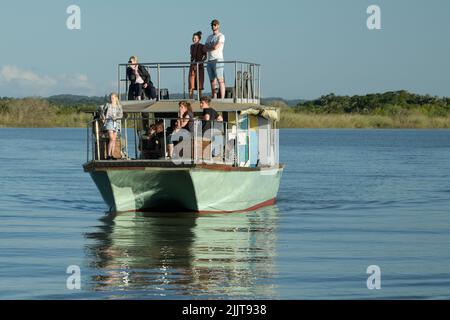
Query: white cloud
22,76
19,82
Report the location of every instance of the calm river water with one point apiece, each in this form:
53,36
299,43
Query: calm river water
349,199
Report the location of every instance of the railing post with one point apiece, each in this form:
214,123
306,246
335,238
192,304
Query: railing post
165,138
184,82
198,82
195,142
135,137
159,82
118,81
97,140
247,81
92,140
235,82
211,139
87,142
241,84
126,136
259,82
237,140
252,80
225,142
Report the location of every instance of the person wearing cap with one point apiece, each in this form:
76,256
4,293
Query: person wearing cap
214,47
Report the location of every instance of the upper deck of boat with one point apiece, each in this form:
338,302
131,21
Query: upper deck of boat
170,79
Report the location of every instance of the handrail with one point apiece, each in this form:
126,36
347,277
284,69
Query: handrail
226,143
245,87
190,63
197,141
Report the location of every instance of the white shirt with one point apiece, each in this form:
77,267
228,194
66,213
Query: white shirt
138,76
212,41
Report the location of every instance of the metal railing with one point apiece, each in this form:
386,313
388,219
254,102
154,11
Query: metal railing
201,142
211,142
246,85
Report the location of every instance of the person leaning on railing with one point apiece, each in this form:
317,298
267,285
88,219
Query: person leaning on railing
111,114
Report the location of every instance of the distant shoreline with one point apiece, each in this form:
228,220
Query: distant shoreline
359,121
288,121
389,110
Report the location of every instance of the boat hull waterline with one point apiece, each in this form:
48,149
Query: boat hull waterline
203,189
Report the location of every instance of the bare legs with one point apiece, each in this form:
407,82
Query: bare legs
221,88
112,135
191,93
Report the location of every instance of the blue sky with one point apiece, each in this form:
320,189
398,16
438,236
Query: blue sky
307,47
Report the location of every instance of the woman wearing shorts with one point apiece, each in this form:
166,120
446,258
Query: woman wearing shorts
112,114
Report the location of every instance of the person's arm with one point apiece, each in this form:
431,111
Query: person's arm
217,45
203,52
185,121
101,112
119,113
144,74
192,54
131,75
206,117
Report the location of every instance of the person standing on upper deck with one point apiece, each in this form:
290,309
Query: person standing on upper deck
197,55
214,46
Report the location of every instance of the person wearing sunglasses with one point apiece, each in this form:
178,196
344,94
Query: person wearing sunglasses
140,81
214,47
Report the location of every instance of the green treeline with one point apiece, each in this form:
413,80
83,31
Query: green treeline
395,109
383,104
399,109
40,113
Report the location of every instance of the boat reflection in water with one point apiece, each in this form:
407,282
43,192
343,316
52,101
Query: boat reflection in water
175,256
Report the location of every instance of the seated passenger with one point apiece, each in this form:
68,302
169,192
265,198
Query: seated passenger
140,81
173,137
187,116
144,142
154,146
209,114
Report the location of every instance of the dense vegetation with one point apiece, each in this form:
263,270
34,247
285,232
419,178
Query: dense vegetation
39,112
384,104
399,109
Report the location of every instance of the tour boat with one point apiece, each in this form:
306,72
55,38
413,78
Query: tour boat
232,168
